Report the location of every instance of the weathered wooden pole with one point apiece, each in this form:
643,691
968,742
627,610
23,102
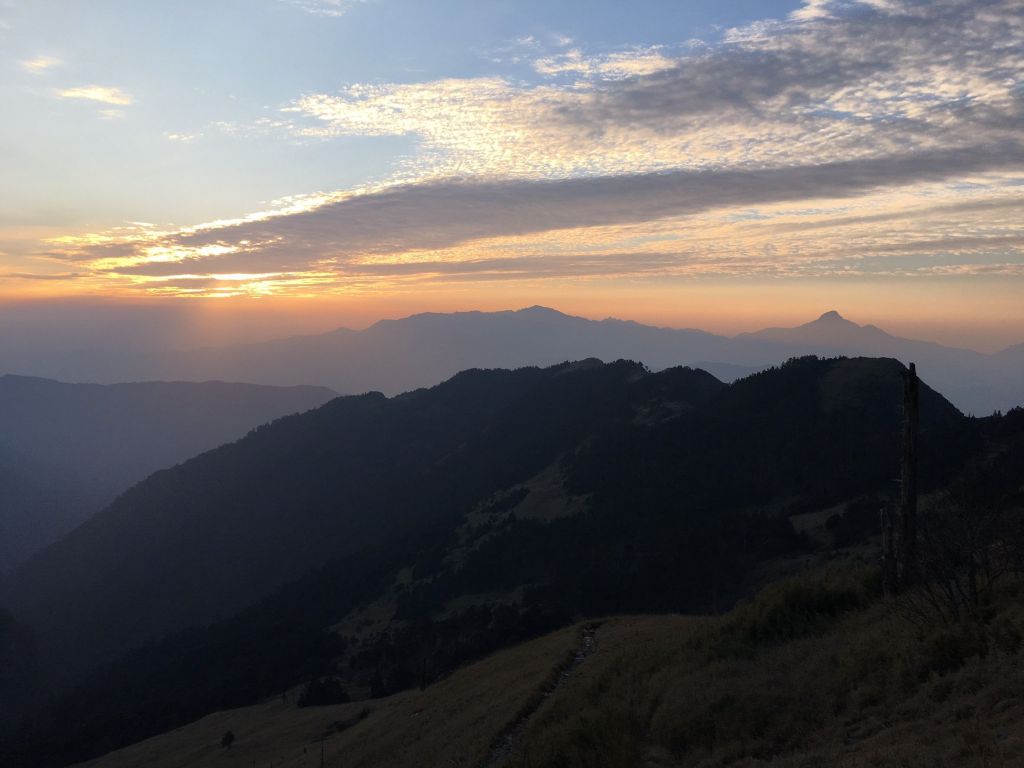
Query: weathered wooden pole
906,529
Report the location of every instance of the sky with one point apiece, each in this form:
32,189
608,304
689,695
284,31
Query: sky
293,165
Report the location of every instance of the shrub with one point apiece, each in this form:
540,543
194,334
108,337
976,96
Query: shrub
803,604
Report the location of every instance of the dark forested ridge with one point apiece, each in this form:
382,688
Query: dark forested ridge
388,540
195,543
67,450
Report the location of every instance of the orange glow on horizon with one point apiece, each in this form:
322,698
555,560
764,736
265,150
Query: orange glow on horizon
985,314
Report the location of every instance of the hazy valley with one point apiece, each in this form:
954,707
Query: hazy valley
67,450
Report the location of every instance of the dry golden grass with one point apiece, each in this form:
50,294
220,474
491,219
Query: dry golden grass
451,723
805,676
814,672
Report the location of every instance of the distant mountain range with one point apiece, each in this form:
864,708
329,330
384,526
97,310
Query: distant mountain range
976,383
66,450
395,356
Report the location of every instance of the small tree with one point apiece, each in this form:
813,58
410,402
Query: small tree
227,739
970,540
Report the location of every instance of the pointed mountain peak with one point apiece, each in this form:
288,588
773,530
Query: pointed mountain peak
540,311
831,317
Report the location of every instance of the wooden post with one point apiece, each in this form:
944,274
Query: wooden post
906,528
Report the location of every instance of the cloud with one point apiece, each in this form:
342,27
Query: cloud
972,270
881,115
990,207
41,276
444,214
39,64
447,212
99,93
619,65
183,138
892,71
843,80
326,7
813,10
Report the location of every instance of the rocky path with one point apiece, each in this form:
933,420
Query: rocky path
506,741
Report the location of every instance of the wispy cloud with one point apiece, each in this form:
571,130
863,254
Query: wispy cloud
182,138
39,64
326,7
52,276
618,65
99,93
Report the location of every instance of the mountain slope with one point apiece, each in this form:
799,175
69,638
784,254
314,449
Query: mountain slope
79,445
450,723
193,544
815,670
1011,360
39,502
427,529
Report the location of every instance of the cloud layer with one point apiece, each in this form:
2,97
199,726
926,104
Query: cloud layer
102,93
648,162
